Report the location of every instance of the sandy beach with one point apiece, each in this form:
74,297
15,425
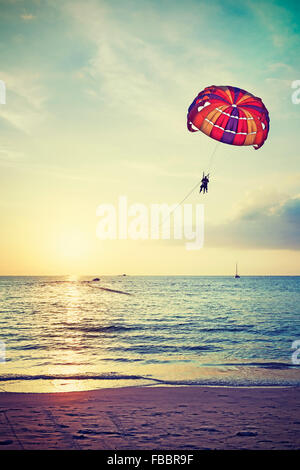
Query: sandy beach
152,418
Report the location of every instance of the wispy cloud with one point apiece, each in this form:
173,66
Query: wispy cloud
278,22
25,100
146,71
9,156
28,16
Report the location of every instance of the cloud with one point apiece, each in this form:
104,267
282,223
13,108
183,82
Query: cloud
27,17
278,21
145,71
261,225
9,157
25,100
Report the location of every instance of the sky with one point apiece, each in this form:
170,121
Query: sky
96,100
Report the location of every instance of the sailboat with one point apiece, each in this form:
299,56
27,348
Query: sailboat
236,272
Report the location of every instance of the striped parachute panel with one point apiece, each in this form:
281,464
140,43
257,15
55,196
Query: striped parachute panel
230,115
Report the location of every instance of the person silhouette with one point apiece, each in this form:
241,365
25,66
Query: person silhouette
204,183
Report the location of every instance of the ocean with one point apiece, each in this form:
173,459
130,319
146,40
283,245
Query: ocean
65,334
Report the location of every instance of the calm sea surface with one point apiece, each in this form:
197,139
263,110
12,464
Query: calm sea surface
63,334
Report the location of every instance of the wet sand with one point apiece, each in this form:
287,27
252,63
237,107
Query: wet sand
152,418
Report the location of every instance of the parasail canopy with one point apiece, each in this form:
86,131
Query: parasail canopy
231,115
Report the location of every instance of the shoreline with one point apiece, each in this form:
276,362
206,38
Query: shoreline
180,417
153,386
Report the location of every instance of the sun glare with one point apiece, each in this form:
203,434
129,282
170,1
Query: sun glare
72,245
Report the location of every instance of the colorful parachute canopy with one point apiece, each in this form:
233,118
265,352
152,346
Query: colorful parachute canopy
230,115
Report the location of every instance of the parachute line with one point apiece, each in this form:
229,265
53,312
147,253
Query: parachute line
211,159
193,188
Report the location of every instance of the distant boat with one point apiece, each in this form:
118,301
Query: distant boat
236,272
